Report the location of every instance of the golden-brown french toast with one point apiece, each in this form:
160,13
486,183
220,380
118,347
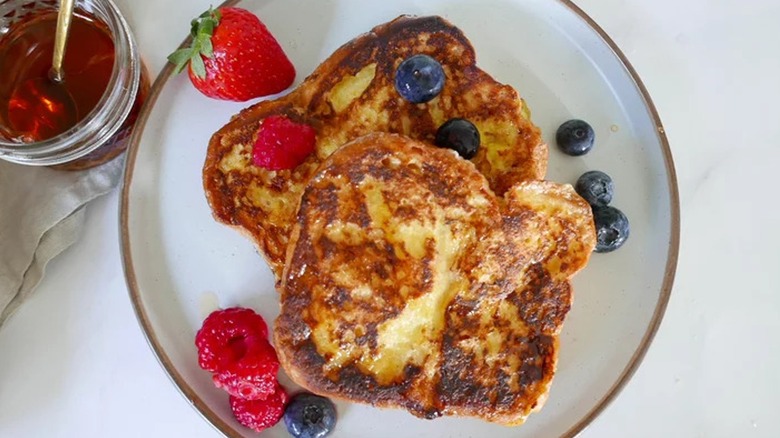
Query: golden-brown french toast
409,283
351,94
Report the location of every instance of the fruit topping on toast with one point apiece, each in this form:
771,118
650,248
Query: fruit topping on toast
356,92
409,283
282,143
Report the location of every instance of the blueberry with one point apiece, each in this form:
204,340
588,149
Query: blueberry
310,416
611,228
460,135
575,137
419,79
595,187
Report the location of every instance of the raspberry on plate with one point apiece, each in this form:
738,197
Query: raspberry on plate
253,376
282,143
259,415
227,335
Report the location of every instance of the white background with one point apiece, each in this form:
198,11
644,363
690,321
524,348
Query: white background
73,360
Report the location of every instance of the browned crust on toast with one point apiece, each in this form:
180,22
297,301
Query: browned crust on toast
496,269
262,203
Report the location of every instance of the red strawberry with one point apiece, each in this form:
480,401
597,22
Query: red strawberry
234,57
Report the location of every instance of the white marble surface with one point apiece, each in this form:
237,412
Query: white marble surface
73,361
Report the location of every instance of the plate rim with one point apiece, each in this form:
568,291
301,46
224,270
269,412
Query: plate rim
625,376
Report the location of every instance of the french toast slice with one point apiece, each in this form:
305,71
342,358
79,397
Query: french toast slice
351,94
410,284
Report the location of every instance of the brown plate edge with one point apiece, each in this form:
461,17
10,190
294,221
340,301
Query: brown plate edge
674,238
633,364
127,261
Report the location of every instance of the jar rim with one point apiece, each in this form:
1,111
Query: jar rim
111,110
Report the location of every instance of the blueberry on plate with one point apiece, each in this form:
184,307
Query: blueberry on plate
419,78
460,135
595,187
310,416
575,137
611,228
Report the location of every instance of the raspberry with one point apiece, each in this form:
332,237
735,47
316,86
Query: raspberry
253,377
227,335
282,143
260,414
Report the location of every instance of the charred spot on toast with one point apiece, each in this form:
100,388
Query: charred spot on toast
543,303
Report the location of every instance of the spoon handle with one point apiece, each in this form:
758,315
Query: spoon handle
61,38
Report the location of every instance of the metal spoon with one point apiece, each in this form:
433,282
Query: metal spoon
64,17
49,102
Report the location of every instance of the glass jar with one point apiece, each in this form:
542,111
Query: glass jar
104,133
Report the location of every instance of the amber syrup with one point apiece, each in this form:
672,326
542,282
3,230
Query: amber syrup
29,111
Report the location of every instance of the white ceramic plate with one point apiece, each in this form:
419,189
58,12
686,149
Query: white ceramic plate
180,264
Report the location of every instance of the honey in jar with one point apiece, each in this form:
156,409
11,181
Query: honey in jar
34,108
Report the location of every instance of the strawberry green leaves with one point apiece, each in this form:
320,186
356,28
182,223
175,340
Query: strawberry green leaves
202,28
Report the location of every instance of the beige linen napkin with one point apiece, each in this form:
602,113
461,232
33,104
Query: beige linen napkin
41,214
